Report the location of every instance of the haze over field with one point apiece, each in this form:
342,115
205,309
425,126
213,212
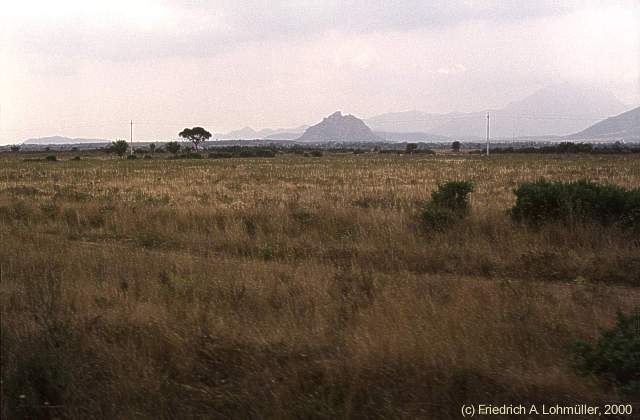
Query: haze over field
84,69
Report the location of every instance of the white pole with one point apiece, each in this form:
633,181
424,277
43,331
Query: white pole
487,133
131,138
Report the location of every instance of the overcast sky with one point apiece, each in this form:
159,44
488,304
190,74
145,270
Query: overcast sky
83,68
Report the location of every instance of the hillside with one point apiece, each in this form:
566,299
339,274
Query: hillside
338,127
625,126
555,110
248,133
411,137
62,140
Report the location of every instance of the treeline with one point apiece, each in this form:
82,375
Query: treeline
568,147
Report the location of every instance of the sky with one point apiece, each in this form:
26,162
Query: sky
82,68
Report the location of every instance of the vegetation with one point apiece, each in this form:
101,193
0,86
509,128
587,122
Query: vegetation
195,135
568,147
455,146
576,201
119,147
615,356
241,152
172,147
292,287
449,203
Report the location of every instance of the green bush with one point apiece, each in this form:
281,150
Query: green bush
51,158
37,385
615,356
316,153
448,203
188,155
241,152
544,201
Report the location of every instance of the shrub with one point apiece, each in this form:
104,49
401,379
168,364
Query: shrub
316,153
132,157
242,152
219,155
448,204
543,201
51,158
119,147
453,196
615,356
38,383
187,155
173,147
76,158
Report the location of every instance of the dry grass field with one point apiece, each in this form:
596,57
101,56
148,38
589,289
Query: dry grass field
297,287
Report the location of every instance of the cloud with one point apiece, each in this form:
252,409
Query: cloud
451,70
140,29
275,63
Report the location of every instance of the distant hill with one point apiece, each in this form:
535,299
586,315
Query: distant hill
248,133
284,135
411,137
338,127
625,126
555,110
63,140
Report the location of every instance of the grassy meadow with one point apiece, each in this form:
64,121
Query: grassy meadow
297,287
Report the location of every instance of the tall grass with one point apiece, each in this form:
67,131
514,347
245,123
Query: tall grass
296,288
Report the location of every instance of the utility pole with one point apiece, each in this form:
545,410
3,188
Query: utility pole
131,138
487,133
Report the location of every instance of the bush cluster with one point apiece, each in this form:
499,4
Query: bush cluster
568,147
578,201
241,152
189,155
615,356
448,203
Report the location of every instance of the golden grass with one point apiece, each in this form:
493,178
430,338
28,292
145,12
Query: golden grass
296,287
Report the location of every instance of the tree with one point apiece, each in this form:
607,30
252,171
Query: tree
119,147
172,147
195,135
152,147
15,148
455,146
411,147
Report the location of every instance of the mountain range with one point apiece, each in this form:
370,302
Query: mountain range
559,111
552,111
625,126
248,133
556,110
63,140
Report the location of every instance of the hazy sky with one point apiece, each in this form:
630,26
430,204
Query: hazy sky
83,68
